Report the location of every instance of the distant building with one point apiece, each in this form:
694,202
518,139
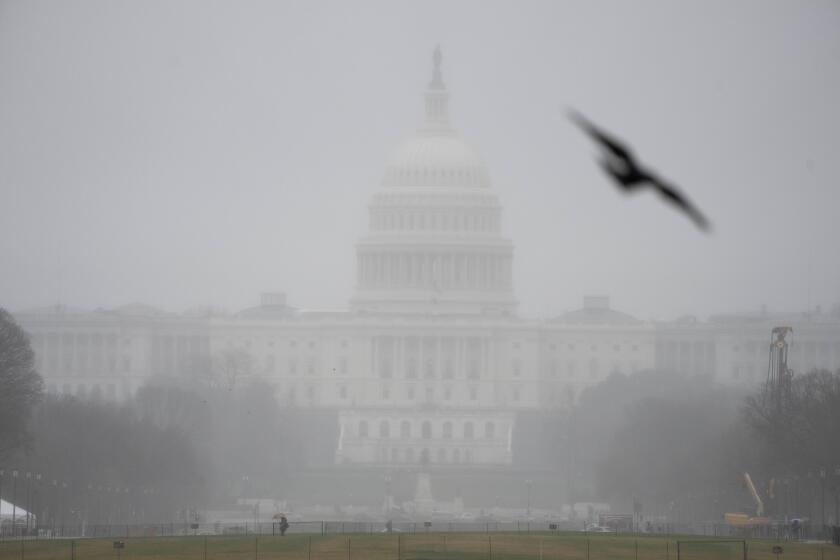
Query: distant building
430,365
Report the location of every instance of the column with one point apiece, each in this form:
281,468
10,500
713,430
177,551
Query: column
374,357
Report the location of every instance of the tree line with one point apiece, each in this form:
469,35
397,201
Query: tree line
171,449
679,447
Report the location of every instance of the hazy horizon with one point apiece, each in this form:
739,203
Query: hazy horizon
187,154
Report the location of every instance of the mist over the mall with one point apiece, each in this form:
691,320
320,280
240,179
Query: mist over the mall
353,262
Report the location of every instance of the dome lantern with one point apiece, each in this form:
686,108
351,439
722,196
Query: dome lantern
437,98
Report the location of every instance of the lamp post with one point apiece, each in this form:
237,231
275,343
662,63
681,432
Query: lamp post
388,498
822,516
36,504
14,499
837,496
28,499
88,508
54,502
245,481
528,485
63,505
2,474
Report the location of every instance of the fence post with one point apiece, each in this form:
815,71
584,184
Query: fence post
308,549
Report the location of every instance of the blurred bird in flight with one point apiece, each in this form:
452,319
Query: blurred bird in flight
619,163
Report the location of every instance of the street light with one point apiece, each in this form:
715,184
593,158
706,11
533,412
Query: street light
28,499
54,502
14,499
528,484
822,517
36,522
2,474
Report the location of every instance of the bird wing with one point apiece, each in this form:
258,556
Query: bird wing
617,148
673,196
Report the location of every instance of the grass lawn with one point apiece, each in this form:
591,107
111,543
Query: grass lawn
432,546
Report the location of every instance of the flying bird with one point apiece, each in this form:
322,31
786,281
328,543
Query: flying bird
620,164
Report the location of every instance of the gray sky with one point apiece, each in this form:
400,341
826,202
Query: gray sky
189,153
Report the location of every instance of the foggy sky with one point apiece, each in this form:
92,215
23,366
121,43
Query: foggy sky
192,153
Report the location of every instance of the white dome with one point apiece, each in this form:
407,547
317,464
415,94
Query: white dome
436,158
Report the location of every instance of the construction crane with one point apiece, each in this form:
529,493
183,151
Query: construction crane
779,376
775,398
743,520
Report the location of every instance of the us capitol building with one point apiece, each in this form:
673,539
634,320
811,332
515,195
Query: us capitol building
430,364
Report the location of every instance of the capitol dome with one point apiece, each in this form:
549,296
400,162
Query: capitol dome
435,157
434,243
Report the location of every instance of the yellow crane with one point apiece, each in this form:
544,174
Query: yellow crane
744,520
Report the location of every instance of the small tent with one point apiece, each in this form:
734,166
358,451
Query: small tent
7,509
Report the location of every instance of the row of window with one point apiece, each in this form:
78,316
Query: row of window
411,221
470,176
407,455
95,391
292,343
433,270
82,363
343,366
54,340
410,393
467,430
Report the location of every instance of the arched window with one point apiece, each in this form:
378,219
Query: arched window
447,430
469,431
384,429
363,429
424,457
489,430
427,429
405,429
